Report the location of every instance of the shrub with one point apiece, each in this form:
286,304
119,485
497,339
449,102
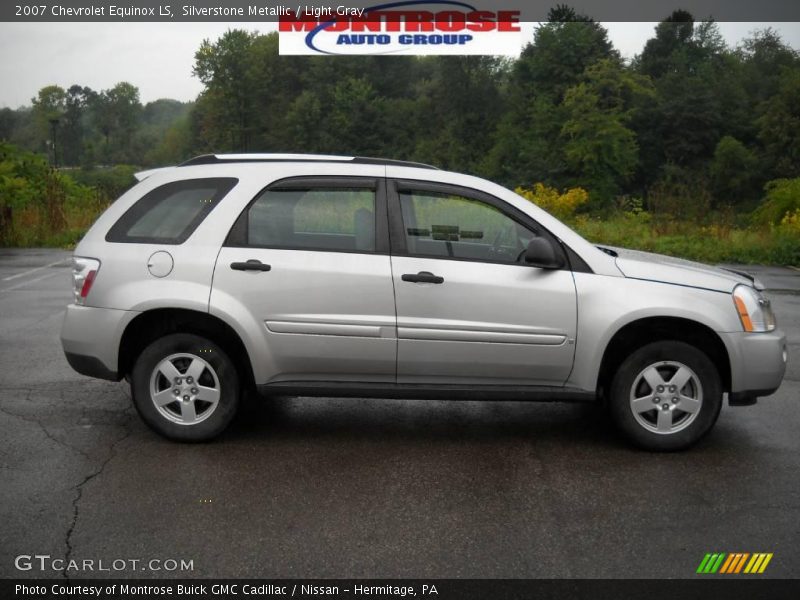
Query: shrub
41,206
791,221
733,171
110,181
783,198
680,193
561,206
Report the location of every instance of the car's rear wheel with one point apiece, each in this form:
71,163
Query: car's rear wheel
185,387
666,396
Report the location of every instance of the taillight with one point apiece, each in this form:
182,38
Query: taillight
84,272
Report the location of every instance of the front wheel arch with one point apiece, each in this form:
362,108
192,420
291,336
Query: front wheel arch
632,336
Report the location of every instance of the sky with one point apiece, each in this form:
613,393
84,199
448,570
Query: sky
158,57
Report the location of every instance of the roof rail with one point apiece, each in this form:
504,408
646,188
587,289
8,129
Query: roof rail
211,159
366,160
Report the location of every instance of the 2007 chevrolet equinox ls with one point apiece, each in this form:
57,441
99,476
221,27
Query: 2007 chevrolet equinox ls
341,276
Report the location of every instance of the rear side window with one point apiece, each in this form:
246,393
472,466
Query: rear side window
169,214
328,219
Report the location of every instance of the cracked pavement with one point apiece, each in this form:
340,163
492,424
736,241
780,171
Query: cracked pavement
359,488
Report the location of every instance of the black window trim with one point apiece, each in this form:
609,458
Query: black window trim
397,227
378,184
117,233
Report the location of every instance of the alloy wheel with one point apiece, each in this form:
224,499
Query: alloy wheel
185,389
666,397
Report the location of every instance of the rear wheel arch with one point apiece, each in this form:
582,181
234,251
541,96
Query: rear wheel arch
635,335
156,323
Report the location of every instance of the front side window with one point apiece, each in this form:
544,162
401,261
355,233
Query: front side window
328,219
447,225
170,213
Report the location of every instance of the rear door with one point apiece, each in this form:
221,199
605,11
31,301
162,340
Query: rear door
469,309
307,264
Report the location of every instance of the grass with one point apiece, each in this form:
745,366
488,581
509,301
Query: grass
712,243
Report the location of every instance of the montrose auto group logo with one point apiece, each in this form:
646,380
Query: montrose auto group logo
400,28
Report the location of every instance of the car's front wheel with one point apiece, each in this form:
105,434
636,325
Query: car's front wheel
666,396
185,387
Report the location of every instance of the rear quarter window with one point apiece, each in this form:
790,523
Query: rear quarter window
170,213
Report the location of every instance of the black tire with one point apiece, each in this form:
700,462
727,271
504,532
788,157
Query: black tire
217,378
680,429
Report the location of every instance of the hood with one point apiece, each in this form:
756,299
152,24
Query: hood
667,269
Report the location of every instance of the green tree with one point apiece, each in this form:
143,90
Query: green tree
74,124
175,144
362,135
663,52
225,68
691,119
529,142
48,110
457,110
162,133
8,123
699,99
779,127
25,133
305,121
765,57
561,50
733,172
600,150
116,113
277,83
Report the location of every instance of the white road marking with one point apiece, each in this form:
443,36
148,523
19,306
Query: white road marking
52,264
24,283
793,268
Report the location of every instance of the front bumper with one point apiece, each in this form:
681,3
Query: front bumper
758,363
90,338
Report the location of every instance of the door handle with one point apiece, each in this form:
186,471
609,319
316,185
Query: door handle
422,277
250,265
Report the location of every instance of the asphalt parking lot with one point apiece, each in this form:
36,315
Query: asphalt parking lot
354,488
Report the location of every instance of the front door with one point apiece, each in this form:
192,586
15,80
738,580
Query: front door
469,310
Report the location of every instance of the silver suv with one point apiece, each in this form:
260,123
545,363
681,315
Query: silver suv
342,276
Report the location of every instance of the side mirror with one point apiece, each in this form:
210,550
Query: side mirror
541,253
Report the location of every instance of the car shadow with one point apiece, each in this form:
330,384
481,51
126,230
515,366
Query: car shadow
383,419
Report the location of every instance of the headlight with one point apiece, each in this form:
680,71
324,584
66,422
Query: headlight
84,271
755,311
